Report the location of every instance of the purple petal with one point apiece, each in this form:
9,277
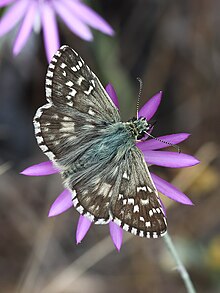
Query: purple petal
169,159
12,16
150,108
82,228
153,144
88,16
26,28
61,204
170,191
5,2
42,169
72,21
116,233
50,30
112,94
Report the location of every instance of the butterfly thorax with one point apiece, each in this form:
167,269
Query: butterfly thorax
137,127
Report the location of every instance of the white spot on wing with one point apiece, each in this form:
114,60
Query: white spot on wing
66,118
63,65
73,193
117,221
141,188
148,224
149,189
126,227
39,139
44,148
131,201
134,231
73,92
74,68
91,112
49,73
120,196
125,175
89,90
48,81
144,201
75,201
48,92
136,209
141,233
51,66
69,83
70,103
67,126
79,81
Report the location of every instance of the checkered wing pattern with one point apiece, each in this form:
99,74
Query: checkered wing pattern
77,103
137,207
80,130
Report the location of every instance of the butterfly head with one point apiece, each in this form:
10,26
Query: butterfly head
138,127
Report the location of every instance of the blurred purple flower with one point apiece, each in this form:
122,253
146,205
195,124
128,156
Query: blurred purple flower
152,156
35,13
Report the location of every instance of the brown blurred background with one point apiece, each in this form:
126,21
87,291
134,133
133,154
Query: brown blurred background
173,46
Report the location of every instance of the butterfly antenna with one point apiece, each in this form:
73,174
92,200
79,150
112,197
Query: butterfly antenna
139,94
166,142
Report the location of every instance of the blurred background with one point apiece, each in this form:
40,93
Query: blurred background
173,46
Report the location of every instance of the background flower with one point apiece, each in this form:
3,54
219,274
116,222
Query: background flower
152,157
75,14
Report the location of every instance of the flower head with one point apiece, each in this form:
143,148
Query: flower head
153,155
36,13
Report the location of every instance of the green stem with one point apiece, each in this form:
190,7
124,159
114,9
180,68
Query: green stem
182,270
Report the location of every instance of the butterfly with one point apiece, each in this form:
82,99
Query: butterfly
81,132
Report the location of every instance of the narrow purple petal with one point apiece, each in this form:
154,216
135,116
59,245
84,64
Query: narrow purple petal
26,28
170,191
112,94
82,228
153,144
61,204
42,169
50,30
169,159
150,108
88,16
116,233
72,21
5,2
12,16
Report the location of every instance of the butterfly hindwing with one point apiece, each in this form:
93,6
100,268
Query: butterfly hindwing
137,207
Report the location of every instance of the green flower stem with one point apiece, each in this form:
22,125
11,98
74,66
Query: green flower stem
182,270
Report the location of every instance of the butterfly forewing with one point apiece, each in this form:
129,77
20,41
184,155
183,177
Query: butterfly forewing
70,82
81,132
77,104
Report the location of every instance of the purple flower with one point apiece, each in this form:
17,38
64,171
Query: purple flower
152,155
36,13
